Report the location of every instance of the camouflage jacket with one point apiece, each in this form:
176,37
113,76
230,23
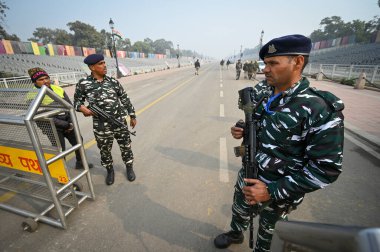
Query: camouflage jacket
300,145
108,95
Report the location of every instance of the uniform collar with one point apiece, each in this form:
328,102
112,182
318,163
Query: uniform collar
93,79
297,87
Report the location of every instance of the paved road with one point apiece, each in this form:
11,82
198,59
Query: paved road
186,171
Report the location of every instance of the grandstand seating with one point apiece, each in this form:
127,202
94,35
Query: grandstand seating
18,64
354,54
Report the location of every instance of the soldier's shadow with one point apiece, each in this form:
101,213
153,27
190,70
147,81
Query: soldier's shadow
141,216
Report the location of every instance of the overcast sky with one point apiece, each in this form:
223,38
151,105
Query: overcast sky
215,28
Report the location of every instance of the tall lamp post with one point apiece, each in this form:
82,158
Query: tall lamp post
112,26
179,65
261,39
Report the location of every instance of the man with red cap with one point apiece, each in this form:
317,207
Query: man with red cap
62,121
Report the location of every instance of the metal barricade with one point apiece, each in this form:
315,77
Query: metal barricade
34,180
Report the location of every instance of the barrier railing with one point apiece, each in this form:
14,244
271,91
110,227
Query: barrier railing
32,162
338,72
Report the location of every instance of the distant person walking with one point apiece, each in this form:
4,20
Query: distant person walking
63,123
222,63
238,67
197,65
228,63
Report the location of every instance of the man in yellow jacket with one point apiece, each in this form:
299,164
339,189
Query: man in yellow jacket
62,121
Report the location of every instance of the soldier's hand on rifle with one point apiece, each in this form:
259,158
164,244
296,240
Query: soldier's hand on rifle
256,191
86,112
237,132
133,122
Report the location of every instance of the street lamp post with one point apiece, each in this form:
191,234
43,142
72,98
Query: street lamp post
261,39
179,65
112,26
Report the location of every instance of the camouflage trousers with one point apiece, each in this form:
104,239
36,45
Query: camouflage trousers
104,139
268,216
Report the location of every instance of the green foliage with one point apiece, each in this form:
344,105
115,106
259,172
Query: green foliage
47,35
3,8
3,32
334,27
349,82
142,47
85,35
161,45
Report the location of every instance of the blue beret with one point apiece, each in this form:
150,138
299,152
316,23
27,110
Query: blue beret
93,59
287,45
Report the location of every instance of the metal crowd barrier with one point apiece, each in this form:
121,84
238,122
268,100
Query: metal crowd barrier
316,237
34,179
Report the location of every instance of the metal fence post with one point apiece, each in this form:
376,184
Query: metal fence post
374,74
349,74
333,72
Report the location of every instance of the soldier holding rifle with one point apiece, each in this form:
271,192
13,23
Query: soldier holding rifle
107,94
299,140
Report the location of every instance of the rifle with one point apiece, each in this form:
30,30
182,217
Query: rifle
111,119
248,148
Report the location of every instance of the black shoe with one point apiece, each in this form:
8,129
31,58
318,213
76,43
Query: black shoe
110,177
79,165
226,239
131,176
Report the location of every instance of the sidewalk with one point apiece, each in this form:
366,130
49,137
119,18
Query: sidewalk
362,109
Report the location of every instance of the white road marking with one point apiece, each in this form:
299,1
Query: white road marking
223,160
221,110
221,93
221,85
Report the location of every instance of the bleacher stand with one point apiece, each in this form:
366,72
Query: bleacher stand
355,54
17,64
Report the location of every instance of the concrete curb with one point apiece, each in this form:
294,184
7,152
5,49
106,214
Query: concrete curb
374,140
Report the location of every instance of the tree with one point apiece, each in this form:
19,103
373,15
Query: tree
334,27
3,8
47,35
149,42
3,32
161,45
124,44
140,46
85,35
62,37
43,35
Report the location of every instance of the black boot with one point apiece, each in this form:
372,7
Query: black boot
79,165
226,239
131,176
110,176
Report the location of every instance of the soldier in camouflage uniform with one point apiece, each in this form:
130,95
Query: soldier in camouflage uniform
300,142
108,94
252,69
